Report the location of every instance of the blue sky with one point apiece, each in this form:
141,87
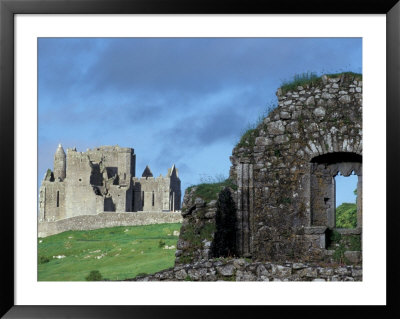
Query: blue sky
182,101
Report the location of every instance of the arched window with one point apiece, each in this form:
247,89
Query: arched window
324,169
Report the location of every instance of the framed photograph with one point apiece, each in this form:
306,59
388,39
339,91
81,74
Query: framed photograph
354,49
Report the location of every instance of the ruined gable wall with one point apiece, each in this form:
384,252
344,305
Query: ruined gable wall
272,167
160,187
121,159
52,201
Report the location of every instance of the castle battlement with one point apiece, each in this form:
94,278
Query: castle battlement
103,179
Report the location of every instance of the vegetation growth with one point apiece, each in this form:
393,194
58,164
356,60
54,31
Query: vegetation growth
302,79
249,135
341,243
311,78
94,275
346,215
115,253
210,191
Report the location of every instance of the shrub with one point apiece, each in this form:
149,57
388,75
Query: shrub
346,215
161,243
43,259
94,275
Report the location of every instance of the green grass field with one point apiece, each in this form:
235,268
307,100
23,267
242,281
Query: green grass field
117,252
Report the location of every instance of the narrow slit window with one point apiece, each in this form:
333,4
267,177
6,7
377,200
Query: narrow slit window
346,201
58,198
152,199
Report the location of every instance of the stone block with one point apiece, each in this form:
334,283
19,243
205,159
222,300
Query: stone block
356,272
262,271
345,99
239,263
285,115
319,112
315,230
281,139
310,101
276,127
298,266
263,141
226,270
308,272
353,256
245,276
279,270
342,271
197,274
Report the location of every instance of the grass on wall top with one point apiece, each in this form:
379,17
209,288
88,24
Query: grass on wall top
210,191
311,78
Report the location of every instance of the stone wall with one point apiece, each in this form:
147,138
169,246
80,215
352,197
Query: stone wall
52,200
243,270
198,229
104,220
208,228
151,194
283,173
285,169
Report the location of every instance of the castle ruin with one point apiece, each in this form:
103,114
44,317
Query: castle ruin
103,180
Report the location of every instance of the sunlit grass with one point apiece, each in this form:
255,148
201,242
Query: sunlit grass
117,252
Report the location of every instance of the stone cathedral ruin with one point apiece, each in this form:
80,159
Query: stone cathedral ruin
102,181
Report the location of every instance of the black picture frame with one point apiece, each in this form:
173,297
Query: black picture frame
8,8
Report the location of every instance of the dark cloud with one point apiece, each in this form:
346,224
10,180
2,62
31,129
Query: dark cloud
181,65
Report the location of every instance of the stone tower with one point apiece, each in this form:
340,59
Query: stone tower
59,164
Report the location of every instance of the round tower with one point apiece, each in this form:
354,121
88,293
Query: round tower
59,164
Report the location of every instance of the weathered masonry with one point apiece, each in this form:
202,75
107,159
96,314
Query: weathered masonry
284,175
103,180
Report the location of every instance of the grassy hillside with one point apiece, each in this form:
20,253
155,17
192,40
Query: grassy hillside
117,252
346,215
